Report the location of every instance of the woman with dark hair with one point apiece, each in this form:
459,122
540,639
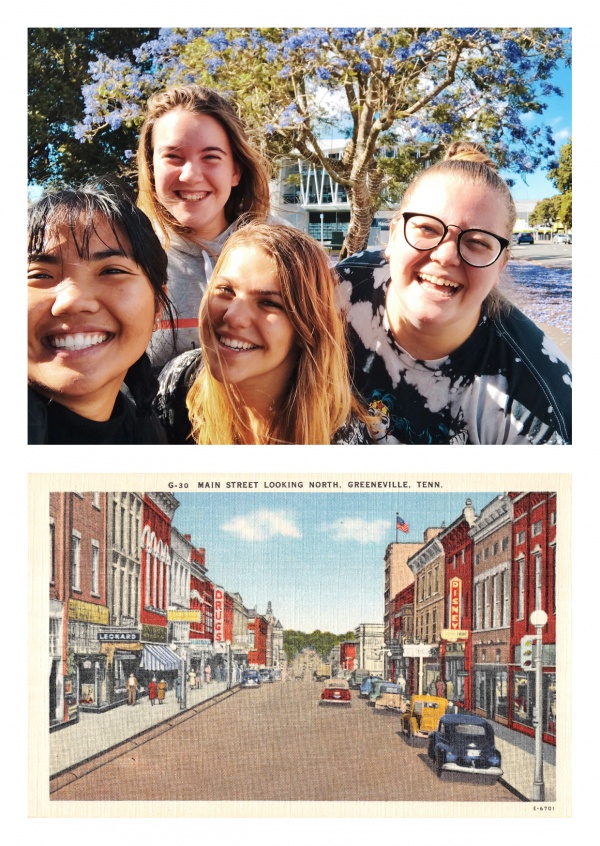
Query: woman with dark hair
96,286
428,328
197,177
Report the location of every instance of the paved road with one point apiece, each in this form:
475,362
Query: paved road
276,743
543,252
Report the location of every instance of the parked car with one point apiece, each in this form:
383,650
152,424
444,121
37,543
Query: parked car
366,685
357,677
389,697
562,238
464,743
376,689
422,716
525,238
336,692
250,678
266,675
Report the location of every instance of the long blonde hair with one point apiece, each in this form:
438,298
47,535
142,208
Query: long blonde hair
249,198
319,399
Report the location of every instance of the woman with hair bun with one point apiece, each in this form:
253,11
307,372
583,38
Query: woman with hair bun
197,175
457,362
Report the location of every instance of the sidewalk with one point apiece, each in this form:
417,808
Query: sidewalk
517,752
94,733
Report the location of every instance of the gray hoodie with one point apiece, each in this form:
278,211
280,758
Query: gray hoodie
189,270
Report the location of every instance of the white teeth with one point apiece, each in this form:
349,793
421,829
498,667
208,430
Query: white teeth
237,345
435,280
78,341
199,196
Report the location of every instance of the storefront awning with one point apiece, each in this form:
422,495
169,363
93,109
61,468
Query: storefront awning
157,657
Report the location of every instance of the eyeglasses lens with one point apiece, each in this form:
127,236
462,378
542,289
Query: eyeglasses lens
476,247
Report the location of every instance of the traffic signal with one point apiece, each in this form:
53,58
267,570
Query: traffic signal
527,642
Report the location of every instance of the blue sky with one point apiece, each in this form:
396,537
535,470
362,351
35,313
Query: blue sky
558,115
318,557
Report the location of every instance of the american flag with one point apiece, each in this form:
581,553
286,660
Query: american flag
400,524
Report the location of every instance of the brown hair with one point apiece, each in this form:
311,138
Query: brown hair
319,400
250,196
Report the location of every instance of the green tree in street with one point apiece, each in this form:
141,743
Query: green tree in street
560,206
322,642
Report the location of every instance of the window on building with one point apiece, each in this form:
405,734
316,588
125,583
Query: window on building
434,625
429,583
520,589
536,529
478,605
506,598
96,500
538,580
521,537
437,578
553,518
486,604
504,544
52,552
148,558
495,548
495,601
477,557
95,568
486,553
75,560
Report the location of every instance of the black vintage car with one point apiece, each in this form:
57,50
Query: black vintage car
464,743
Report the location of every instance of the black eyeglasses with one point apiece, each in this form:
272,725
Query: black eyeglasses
475,246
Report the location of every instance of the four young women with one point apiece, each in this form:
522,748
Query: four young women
438,355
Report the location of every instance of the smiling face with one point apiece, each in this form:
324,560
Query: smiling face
89,320
257,344
434,299
194,170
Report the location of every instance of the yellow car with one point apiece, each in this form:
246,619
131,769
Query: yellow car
422,716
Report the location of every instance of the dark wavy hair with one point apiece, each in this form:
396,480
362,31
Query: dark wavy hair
78,211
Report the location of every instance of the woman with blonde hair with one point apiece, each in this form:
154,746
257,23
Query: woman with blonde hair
197,174
455,361
273,364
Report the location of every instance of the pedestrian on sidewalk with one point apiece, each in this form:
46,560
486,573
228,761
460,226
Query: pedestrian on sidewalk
132,686
162,689
178,688
192,679
152,690
440,687
207,673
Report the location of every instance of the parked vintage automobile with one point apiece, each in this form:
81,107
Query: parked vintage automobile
357,677
367,685
376,689
390,698
336,692
266,675
464,743
422,716
250,678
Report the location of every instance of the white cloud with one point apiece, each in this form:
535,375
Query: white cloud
358,530
262,525
562,134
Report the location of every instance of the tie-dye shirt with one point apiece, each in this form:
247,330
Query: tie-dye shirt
508,383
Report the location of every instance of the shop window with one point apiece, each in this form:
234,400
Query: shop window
75,560
523,693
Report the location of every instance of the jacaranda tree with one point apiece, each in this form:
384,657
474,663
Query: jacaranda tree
413,90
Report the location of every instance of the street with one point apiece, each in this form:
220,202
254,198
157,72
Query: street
277,743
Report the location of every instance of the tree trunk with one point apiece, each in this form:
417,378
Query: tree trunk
363,206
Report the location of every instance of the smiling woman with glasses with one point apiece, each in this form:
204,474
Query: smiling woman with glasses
457,363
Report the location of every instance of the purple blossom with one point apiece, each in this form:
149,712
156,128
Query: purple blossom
323,73
362,67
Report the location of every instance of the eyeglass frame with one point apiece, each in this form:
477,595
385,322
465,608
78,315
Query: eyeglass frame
504,242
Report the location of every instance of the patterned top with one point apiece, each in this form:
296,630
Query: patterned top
508,383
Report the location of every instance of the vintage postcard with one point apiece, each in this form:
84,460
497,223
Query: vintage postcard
300,645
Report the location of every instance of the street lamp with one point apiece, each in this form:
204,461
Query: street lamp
538,620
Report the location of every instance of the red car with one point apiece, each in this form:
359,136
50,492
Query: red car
336,692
